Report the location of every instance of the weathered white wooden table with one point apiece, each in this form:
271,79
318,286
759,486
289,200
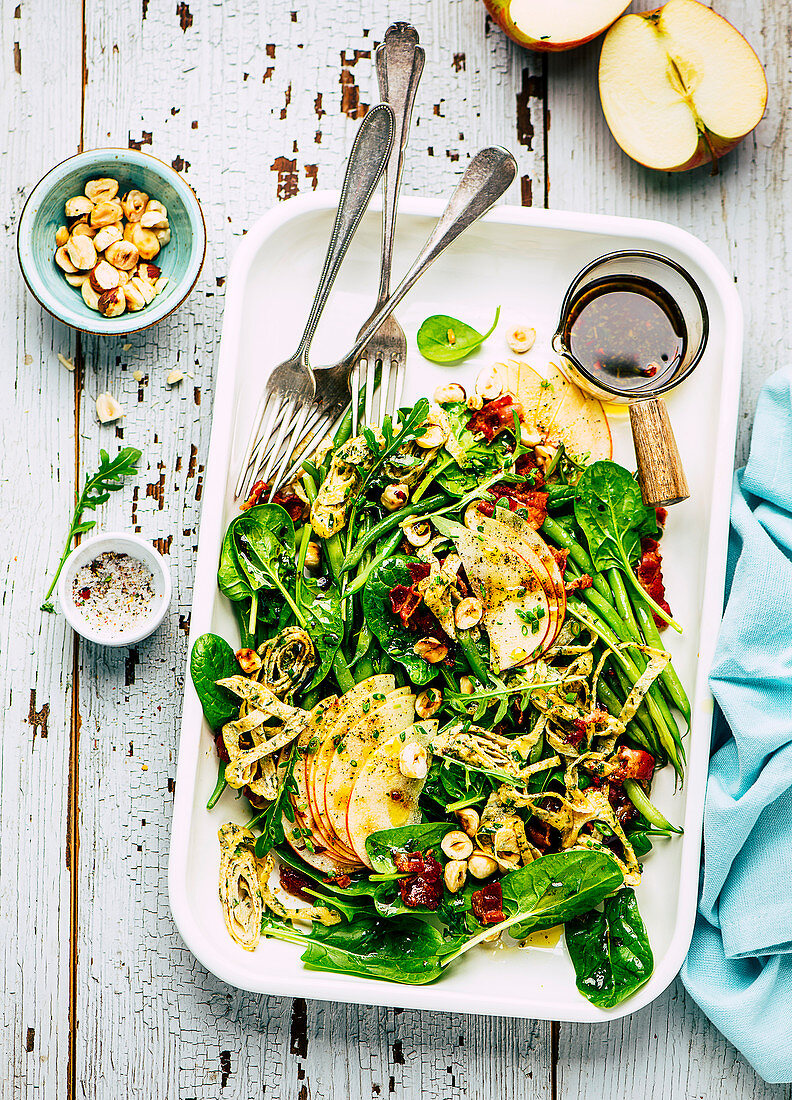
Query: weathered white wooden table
253,103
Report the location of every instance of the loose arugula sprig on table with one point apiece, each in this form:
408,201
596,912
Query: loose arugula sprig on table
594,526
109,478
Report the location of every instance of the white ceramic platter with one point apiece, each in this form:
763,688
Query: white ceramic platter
522,260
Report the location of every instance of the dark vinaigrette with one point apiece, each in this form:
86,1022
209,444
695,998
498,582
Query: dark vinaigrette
627,331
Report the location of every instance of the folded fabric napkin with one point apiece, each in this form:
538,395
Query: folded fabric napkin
739,968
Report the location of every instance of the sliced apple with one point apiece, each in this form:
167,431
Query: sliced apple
550,25
560,412
679,86
395,714
311,850
383,798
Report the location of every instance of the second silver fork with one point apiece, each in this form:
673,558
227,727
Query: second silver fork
400,63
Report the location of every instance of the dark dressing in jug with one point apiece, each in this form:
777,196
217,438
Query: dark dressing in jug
626,332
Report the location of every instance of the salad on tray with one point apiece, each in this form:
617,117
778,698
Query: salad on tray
451,695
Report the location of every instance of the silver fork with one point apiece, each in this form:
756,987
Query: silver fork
280,421
400,62
488,175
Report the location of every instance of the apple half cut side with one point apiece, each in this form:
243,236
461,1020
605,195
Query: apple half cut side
554,25
679,86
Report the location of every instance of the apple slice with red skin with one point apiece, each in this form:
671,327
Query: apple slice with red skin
395,714
316,855
553,25
558,411
679,86
383,798
508,530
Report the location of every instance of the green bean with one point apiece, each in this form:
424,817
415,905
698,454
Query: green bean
344,431
564,539
344,677
388,548
387,524
623,605
363,670
647,809
608,697
642,718
430,477
310,486
220,785
334,555
668,676
472,655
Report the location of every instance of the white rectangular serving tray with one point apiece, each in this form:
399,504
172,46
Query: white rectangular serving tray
523,260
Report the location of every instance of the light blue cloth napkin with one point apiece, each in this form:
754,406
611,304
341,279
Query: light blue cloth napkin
739,968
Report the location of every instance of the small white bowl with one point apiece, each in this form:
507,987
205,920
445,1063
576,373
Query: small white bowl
120,543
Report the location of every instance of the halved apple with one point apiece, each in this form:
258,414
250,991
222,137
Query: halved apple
560,412
679,86
551,25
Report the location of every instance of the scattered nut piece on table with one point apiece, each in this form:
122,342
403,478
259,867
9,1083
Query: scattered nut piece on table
106,246
108,409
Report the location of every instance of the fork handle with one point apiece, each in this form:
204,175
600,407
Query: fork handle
367,160
488,175
400,63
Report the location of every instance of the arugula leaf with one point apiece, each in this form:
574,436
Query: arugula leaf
610,510
272,825
392,636
610,951
109,478
551,890
444,339
212,659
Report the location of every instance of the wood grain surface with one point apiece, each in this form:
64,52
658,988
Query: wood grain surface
254,103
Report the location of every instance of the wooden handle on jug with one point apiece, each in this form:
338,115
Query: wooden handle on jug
660,473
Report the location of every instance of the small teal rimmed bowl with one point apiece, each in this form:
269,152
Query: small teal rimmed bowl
181,259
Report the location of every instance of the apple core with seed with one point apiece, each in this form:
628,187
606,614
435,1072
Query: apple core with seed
679,86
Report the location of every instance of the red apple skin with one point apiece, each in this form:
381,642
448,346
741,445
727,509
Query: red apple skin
499,10
710,147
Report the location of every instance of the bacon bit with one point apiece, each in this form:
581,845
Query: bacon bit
580,584
527,500
419,570
287,499
341,881
561,559
525,465
538,832
408,605
633,764
487,903
255,494
220,745
662,516
295,883
496,416
424,886
649,572
584,725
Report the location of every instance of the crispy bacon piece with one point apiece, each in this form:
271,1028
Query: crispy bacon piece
487,903
220,745
582,726
649,572
495,417
662,516
341,881
287,499
633,764
526,465
419,570
408,605
561,559
295,884
581,583
531,501
424,886
623,808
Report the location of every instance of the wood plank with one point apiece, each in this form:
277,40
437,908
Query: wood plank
670,1049
41,107
252,105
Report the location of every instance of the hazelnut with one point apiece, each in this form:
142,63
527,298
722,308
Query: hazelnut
428,702
457,845
101,190
122,254
468,820
313,555
145,241
107,408
112,303
466,685
248,660
104,277
521,339
149,272
448,395
413,761
468,612
431,650
78,207
81,252
105,213
133,295
480,865
394,497
454,875
90,297
432,436
489,383
107,235
418,533
133,204
63,261
61,236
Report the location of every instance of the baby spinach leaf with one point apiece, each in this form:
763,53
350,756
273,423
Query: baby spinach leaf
272,825
392,636
409,838
610,951
551,890
444,339
358,886
260,536
610,510
212,659
324,622
404,949
230,578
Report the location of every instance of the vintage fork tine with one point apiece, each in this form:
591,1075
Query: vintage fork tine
269,409
288,410
355,390
297,434
327,422
371,385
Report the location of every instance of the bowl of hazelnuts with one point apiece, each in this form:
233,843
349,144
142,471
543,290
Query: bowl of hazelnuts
110,241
